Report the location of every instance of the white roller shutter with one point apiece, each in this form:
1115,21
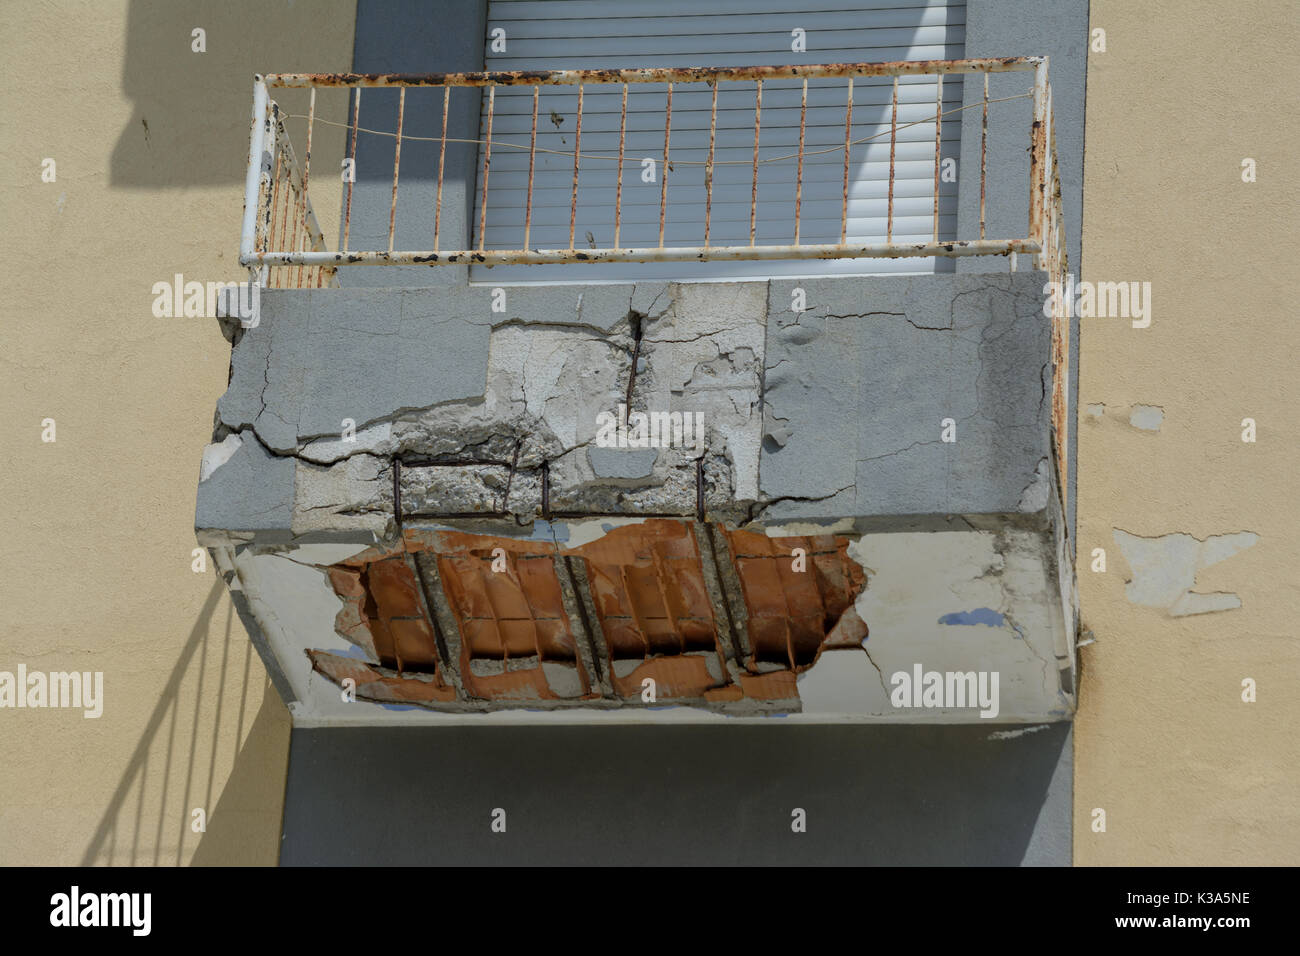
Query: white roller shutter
582,34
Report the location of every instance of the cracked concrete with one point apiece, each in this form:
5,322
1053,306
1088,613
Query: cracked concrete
906,370
830,418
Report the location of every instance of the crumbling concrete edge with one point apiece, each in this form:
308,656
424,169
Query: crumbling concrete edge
222,559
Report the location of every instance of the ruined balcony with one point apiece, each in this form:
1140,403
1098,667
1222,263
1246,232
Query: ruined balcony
436,496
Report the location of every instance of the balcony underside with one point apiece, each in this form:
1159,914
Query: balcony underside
438,506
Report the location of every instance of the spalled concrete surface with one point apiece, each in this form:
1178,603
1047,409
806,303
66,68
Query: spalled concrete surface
344,378
908,796
502,405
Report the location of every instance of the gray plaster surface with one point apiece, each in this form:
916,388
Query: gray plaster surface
323,356
251,491
1058,29
859,386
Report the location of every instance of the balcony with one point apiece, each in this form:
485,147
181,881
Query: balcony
437,496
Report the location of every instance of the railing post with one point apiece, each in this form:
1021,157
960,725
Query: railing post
254,175
1038,166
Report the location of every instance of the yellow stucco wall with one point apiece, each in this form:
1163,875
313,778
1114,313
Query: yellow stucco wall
150,140
1186,771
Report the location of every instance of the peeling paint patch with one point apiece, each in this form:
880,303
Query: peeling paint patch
981,615
1095,409
1165,568
798,529
217,454
580,533
1034,498
1146,417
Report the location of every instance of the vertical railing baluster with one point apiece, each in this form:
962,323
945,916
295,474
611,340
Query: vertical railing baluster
532,160
848,137
306,167
708,166
487,161
442,163
287,186
663,179
893,145
618,196
984,151
299,211
798,181
397,162
352,173
577,153
938,130
753,196
272,198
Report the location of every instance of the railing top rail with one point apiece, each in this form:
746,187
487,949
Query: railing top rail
655,75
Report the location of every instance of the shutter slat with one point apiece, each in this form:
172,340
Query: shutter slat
589,34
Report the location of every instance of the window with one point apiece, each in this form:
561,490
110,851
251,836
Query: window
589,34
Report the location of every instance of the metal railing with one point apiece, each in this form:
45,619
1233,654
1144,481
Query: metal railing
277,193
269,150
276,198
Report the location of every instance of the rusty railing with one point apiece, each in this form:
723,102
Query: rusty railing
269,148
277,207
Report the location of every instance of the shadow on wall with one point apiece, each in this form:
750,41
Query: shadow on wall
703,795
190,121
202,732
